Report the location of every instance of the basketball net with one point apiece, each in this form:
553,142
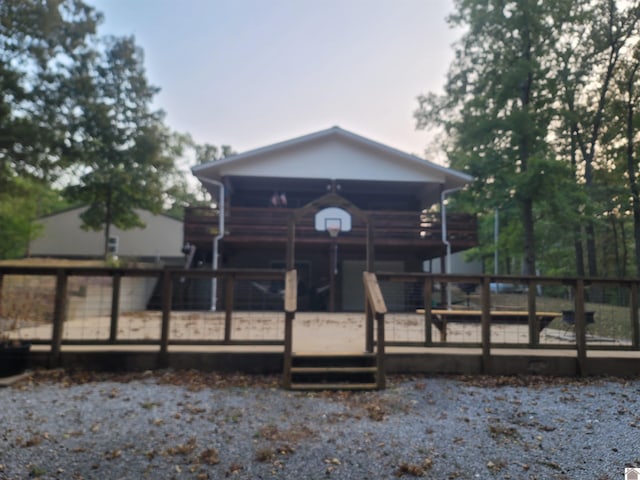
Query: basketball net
333,230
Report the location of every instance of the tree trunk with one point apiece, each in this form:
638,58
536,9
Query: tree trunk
577,244
529,238
107,222
631,168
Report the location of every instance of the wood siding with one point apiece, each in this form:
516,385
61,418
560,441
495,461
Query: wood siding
269,225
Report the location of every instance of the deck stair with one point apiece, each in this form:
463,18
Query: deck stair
339,371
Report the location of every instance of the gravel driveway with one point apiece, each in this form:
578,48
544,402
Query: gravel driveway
188,425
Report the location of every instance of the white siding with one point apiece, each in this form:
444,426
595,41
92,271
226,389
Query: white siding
62,235
332,158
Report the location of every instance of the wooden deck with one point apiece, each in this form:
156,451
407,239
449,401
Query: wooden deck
269,225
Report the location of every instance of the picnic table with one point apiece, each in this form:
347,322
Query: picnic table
441,318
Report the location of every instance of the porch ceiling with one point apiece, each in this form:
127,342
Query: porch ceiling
427,193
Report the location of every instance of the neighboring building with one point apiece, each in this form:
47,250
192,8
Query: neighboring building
63,237
458,265
398,192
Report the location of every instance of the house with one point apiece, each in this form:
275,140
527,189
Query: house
337,186
63,237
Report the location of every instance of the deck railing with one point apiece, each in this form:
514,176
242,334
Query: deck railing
490,311
37,303
246,223
59,306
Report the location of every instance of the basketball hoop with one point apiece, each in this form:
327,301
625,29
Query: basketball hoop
333,226
333,220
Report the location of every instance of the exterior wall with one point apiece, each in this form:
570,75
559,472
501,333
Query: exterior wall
63,236
333,159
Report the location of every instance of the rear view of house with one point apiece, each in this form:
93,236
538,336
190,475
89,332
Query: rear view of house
398,194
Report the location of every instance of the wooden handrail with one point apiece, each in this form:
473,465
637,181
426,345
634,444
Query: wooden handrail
373,293
377,309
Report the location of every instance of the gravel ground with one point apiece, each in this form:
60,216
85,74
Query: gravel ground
166,425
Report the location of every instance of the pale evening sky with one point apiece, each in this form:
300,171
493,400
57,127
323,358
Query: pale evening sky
249,73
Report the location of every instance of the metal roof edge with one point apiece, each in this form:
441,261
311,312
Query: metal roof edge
335,130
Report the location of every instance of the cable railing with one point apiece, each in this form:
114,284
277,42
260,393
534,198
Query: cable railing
490,311
59,306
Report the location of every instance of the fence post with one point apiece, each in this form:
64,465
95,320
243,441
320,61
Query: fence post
534,321
290,307
115,307
373,297
59,314
1,279
368,325
167,293
580,326
486,323
380,377
228,306
428,320
635,327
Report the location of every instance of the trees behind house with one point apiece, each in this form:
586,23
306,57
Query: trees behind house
540,107
76,119
118,142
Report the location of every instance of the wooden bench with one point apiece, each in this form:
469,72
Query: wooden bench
441,318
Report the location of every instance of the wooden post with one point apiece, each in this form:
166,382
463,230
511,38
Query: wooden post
534,322
167,293
332,275
228,306
580,326
368,325
485,296
59,314
1,279
291,244
370,246
428,320
115,306
373,297
290,308
635,327
380,377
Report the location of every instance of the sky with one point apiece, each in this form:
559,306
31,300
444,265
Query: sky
249,73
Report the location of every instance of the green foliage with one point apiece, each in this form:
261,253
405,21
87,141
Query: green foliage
23,202
120,144
39,44
539,109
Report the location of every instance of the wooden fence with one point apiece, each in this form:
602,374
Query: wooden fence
582,295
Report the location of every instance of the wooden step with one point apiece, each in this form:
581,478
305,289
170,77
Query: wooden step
344,371
334,386
320,370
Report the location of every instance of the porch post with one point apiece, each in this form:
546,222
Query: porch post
291,239
370,251
333,258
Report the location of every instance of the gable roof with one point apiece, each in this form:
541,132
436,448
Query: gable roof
329,154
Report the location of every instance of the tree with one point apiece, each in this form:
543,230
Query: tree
39,45
499,103
23,202
120,144
591,53
622,138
